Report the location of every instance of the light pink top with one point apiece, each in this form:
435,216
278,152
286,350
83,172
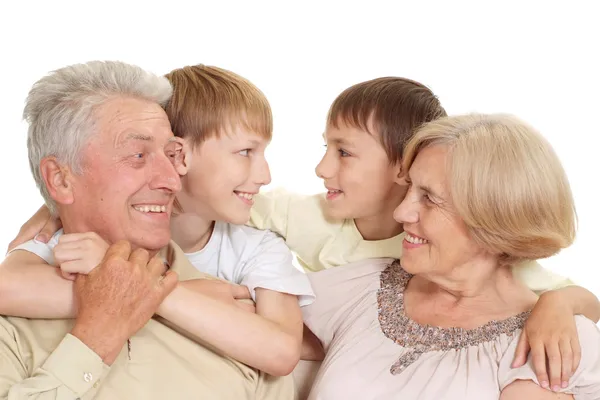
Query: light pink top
375,352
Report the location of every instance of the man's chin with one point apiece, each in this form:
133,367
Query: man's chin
151,241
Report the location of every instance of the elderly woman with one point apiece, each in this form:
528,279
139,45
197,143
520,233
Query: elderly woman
443,323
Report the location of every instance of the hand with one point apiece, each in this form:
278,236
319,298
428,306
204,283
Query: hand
117,298
41,226
550,333
79,253
223,291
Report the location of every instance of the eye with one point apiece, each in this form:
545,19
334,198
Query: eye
343,153
245,152
139,156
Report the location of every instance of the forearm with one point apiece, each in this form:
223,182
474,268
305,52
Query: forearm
247,337
581,300
36,291
71,371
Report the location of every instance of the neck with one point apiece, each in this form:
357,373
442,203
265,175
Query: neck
190,231
379,227
72,224
470,295
382,225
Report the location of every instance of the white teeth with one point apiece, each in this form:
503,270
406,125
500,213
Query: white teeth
155,208
247,196
415,240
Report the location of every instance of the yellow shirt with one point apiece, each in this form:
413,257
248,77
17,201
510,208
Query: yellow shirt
40,359
322,243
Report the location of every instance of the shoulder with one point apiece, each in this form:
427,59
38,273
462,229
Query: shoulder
40,249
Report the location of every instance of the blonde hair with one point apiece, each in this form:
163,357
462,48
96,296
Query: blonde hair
209,101
506,183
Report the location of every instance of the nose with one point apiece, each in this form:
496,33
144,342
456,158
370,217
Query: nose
408,210
163,174
327,167
263,172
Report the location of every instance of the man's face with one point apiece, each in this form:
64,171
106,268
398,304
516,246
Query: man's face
128,184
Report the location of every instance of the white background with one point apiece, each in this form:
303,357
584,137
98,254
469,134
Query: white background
536,60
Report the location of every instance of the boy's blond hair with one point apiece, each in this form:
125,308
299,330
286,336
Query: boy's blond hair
209,101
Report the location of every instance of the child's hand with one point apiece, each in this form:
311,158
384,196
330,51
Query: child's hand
551,334
79,253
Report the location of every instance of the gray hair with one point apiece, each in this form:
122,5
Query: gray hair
59,109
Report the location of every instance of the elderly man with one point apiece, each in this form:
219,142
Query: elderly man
97,142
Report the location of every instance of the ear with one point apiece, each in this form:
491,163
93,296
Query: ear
184,158
399,175
58,180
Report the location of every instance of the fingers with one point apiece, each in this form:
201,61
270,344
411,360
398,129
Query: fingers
240,292
52,225
32,228
538,358
67,275
522,351
554,365
157,266
168,282
566,355
65,252
76,237
139,257
576,347
120,250
76,267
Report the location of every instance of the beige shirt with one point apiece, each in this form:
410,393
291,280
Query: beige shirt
321,243
39,359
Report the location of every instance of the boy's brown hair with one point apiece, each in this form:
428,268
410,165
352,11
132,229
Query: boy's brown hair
209,101
393,107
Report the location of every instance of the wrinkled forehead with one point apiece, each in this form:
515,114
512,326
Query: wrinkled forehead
430,168
121,120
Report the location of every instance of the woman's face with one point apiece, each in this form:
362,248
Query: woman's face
437,241
223,174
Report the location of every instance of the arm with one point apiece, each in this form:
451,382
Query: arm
519,390
269,340
112,302
42,225
578,299
60,377
23,273
550,332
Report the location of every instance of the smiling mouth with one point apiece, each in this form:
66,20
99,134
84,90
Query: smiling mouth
415,240
244,195
151,208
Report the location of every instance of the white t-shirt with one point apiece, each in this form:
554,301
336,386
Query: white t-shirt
236,253
253,258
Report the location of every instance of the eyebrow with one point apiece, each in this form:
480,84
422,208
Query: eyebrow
342,141
425,188
136,136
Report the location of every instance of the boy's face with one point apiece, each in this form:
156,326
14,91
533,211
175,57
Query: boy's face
223,173
360,181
